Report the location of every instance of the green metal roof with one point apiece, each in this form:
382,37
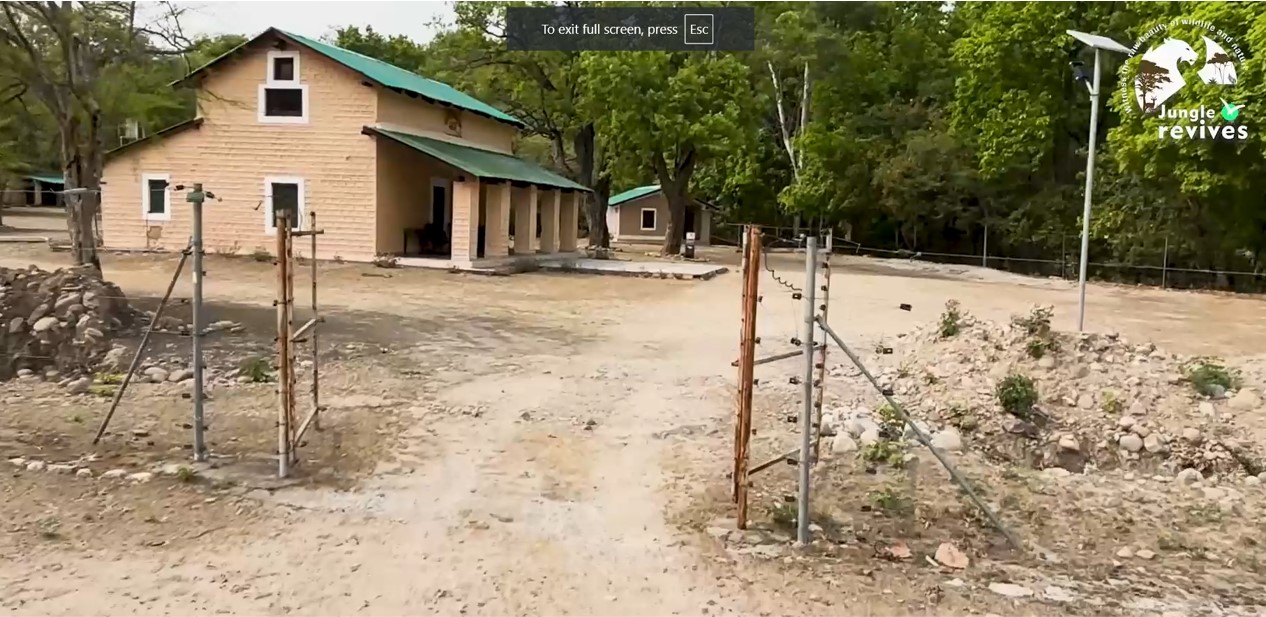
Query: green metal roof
631,194
483,163
387,75
47,178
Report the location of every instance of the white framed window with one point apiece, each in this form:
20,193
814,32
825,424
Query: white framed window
648,219
283,68
283,192
156,197
283,104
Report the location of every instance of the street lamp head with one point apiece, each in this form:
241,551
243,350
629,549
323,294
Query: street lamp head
1079,71
1099,42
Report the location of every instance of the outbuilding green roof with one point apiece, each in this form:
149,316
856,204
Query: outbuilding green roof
485,164
631,194
383,73
47,178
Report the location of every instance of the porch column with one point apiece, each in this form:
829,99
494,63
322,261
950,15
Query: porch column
523,200
465,220
550,204
497,228
569,222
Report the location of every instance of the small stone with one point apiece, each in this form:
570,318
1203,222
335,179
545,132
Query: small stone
948,440
1213,493
243,379
83,472
15,325
114,358
114,474
172,469
1206,408
1191,435
1252,481
25,372
61,468
1125,552
140,476
1058,594
1131,443
843,444
949,556
179,375
1095,367
1082,371
1217,392
18,462
156,374
1010,590
44,324
1155,444
1046,362
93,333
861,424
1140,430
1189,476
1069,443
717,532
869,437
1086,401
35,466
1125,422
1137,409
79,386
1056,472
140,432
1145,554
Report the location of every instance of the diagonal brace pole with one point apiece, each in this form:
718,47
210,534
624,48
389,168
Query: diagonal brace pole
925,440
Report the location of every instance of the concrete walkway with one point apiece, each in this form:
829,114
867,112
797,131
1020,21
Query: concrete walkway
661,269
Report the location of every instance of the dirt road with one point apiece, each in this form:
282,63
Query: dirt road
554,428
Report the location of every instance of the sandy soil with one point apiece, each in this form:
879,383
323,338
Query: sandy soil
556,444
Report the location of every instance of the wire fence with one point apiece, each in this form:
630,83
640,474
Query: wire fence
1164,273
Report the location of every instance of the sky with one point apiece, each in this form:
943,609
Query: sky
314,19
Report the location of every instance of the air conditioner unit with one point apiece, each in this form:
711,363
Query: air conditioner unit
130,131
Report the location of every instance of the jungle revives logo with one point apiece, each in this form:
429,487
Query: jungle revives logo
1159,79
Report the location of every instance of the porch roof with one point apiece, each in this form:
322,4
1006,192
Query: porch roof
485,164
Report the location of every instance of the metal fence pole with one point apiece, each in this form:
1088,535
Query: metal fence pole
1165,264
984,254
806,415
196,197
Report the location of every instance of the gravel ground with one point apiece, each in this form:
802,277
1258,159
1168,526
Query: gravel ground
508,445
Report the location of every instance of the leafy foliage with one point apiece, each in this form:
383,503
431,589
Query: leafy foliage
950,319
1017,394
1206,375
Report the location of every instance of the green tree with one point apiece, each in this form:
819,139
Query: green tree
668,114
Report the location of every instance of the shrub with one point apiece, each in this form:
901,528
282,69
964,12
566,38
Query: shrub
261,255
890,501
1017,394
1204,374
1112,404
1036,323
951,320
884,452
258,369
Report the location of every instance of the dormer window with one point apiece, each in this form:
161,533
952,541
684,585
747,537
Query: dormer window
282,99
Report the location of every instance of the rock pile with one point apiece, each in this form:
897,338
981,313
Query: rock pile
62,320
1102,402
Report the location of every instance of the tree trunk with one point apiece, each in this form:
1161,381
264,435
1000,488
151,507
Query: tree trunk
82,162
676,194
590,175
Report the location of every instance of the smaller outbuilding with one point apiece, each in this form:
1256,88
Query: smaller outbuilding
640,216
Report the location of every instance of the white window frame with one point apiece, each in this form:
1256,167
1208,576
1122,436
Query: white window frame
283,85
269,227
641,220
146,215
272,57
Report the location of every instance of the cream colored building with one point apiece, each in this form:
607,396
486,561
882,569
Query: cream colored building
640,216
391,163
